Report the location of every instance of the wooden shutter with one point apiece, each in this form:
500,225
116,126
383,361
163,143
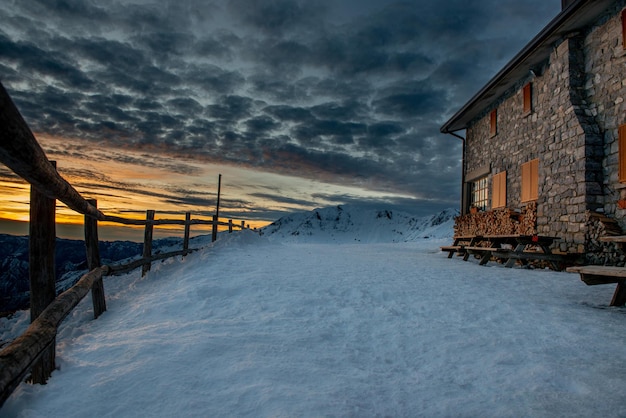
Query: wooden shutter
498,186
528,98
530,181
493,122
622,153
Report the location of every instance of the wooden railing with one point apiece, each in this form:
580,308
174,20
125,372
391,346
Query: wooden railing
34,350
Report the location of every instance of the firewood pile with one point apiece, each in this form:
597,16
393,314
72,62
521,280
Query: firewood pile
501,221
599,252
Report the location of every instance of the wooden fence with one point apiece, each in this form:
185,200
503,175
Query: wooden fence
34,351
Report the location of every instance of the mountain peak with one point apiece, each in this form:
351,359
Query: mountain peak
354,224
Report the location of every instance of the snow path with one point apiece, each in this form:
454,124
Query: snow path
252,328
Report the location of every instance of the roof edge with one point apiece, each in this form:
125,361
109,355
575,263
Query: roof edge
558,21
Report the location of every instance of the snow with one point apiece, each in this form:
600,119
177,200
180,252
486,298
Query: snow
255,326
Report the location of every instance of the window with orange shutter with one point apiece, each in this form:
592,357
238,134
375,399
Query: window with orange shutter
528,98
530,181
493,121
498,187
622,153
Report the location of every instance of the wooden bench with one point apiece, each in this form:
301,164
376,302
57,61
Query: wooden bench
451,249
484,253
460,242
595,275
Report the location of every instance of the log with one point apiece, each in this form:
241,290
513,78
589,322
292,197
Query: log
92,247
42,238
502,221
147,242
20,151
17,358
117,269
186,235
214,229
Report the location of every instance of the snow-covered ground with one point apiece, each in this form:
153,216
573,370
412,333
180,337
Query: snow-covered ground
252,326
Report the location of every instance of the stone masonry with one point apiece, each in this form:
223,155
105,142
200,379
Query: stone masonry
577,106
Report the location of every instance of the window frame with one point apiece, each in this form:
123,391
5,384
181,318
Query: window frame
527,95
493,123
498,190
530,181
479,193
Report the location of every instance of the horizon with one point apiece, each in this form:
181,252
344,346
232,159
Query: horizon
134,233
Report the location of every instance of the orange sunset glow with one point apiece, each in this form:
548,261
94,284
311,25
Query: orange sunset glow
124,189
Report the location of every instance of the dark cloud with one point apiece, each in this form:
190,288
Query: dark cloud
348,92
412,99
231,108
275,17
261,124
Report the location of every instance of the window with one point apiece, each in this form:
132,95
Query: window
493,121
622,153
528,98
498,188
479,193
530,181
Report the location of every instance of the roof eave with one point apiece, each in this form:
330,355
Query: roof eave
576,16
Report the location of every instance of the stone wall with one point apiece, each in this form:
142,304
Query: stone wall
577,105
605,87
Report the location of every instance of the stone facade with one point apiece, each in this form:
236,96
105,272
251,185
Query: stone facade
577,106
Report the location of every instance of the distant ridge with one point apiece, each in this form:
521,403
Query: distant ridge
354,224
70,263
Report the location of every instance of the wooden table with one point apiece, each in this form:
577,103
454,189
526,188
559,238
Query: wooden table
509,248
596,275
541,241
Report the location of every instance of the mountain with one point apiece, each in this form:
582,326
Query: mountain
70,264
354,224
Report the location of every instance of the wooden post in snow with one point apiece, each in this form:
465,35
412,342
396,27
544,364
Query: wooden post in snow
147,242
187,226
219,190
42,232
93,261
230,226
214,231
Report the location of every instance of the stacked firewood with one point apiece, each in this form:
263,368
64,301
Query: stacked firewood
501,221
598,252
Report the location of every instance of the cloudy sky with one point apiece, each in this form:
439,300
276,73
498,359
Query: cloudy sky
297,103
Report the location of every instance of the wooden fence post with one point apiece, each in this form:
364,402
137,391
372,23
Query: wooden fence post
187,225
230,226
214,231
93,261
42,231
243,225
147,242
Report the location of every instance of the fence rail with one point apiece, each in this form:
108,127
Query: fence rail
34,350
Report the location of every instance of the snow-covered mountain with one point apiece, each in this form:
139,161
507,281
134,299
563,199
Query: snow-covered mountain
354,224
70,264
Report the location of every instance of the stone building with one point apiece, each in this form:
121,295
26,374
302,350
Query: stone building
548,132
